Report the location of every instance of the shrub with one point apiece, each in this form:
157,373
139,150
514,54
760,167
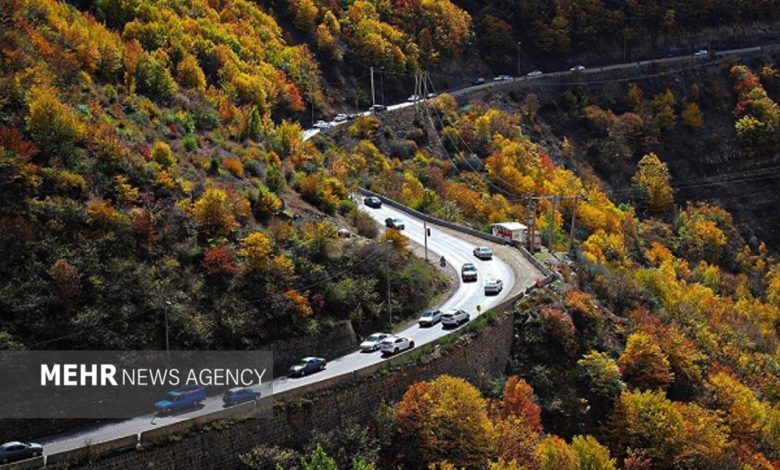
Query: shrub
161,153
346,206
190,142
365,225
234,166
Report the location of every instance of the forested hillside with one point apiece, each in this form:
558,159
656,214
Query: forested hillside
146,167
673,315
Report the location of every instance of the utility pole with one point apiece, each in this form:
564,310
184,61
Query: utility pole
519,59
387,268
552,224
531,224
168,303
373,92
573,221
625,42
382,83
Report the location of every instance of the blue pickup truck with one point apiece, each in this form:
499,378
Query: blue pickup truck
181,398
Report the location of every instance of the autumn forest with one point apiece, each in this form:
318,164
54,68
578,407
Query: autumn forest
152,161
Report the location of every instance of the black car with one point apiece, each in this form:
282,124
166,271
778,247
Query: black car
392,222
373,201
378,108
308,365
15,451
479,81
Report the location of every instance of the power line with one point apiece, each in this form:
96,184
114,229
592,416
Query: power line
507,194
693,183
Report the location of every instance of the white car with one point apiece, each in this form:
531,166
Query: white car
413,99
373,342
577,68
432,95
396,344
494,287
701,53
454,318
430,318
502,78
321,124
535,73
341,117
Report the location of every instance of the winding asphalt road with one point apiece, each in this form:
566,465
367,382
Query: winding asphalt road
456,248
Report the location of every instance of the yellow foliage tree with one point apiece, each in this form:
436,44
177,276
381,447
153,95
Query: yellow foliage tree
652,182
189,73
53,126
692,115
445,420
213,213
643,363
256,250
555,454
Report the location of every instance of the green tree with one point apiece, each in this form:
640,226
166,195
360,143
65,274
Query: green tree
601,375
318,460
153,77
593,455
54,127
161,153
649,422
555,454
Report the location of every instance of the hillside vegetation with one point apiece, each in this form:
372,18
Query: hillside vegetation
145,168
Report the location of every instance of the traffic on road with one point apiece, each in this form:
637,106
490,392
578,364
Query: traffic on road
469,299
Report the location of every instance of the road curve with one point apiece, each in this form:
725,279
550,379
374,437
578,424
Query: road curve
456,248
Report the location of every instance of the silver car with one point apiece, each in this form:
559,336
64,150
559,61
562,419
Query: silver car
454,318
494,287
483,252
535,73
373,342
430,318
